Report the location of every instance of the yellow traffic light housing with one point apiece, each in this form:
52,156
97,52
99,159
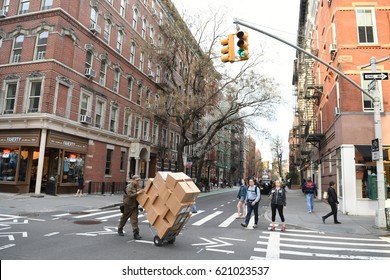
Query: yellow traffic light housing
227,49
243,45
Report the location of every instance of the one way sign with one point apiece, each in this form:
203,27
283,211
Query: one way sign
375,76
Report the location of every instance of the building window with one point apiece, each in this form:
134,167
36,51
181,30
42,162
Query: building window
85,104
103,69
132,52
6,6
143,31
24,6
34,97
41,45
127,124
108,162
93,16
146,130
158,74
139,94
147,97
17,50
151,34
47,4
366,25
114,119
88,59
135,19
130,83
99,113
107,30
10,98
177,142
150,73
116,81
122,8
141,62
155,134
119,41
156,101
164,137
137,128
123,160
172,141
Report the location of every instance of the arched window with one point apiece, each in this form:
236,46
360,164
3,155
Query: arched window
40,52
132,52
17,49
135,18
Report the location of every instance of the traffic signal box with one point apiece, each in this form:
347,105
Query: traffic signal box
242,44
165,197
227,49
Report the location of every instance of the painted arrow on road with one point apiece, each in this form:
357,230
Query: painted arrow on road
210,245
107,230
10,235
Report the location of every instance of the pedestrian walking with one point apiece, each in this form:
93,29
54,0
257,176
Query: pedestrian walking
278,202
130,204
333,201
252,203
310,190
80,186
241,200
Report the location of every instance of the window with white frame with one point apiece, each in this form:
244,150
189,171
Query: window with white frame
177,142
164,137
93,16
158,74
366,25
150,73
137,127
117,75
151,34
34,96
139,94
160,45
368,103
85,104
122,8
17,48
6,6
114,118
155,134
103,69
130,83
147,97
172,140
135,18
108,160
10,97
146,130
132,52
156,101
24,7
100,108
88,59
143,31
41,45
119,41
141,61
107,31
47,4
127,123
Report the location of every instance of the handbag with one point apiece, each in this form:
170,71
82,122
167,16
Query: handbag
325,195
122,208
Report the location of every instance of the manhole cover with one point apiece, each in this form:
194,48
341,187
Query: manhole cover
87,222
28,215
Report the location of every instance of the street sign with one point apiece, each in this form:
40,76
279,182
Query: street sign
375,76
375,149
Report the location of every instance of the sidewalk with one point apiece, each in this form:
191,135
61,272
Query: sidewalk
296,214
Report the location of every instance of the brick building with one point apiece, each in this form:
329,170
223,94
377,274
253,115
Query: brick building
78,82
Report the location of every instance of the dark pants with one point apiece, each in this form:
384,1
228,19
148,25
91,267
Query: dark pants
280,211
132,213
249,208
333,212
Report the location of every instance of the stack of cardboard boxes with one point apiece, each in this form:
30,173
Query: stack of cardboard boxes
167,196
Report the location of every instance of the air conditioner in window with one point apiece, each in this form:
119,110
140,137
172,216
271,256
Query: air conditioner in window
154,12
332,48
3,13
336,111
89,72
85,119
150,74
93,27
146,138
147,105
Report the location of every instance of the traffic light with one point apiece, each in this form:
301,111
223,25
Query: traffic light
227,49
243,45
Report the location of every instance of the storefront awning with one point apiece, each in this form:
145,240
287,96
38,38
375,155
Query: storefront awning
365,151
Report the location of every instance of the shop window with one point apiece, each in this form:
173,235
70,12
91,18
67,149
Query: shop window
8,164
73,167
108,161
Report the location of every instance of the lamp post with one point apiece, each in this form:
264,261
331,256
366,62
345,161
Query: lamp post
380,219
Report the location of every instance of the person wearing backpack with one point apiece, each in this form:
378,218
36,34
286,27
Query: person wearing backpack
252,203
241,200
310,190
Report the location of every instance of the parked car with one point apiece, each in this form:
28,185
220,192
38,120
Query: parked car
265,185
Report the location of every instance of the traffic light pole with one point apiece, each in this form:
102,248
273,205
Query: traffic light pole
380,219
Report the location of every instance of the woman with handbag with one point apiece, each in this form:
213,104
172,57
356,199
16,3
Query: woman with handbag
241,212
278,201
333,201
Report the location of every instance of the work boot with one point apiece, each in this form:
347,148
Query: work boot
137,236
120,232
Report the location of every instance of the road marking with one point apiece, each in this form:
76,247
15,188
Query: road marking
7,246
61,215
197,213
329,237
334,248
53,233
207,218
107,230
10,235
338,256
273,248
111,216
210,245
95,214
37,220
228,221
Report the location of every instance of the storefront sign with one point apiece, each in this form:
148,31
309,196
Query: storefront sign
17,140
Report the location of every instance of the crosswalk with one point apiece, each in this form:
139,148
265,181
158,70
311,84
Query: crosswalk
305,244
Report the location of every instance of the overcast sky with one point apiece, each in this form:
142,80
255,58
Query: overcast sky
279,18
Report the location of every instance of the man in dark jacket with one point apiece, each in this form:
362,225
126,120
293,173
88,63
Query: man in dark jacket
130,204
333,201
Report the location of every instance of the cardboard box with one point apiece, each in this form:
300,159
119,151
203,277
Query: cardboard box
176,207
152,215
162,227
148,184
186,191
142,199
160,179
174,178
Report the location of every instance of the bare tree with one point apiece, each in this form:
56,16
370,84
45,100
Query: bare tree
277,149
